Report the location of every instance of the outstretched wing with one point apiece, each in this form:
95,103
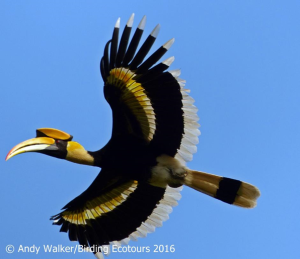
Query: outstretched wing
116,211
147,101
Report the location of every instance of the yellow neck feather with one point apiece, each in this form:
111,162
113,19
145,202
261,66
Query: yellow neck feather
77,154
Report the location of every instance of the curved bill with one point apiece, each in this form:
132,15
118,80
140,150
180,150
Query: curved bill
30,145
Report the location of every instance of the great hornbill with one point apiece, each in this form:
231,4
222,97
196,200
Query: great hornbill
155,131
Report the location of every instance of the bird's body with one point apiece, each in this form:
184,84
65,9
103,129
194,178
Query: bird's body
155,132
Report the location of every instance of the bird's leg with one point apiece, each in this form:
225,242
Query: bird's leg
178,173
168,171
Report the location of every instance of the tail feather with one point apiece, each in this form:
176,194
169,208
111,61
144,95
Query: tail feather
225,189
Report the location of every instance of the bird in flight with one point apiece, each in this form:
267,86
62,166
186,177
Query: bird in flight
143,165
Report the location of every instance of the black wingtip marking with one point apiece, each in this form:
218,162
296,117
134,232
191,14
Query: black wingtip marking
73,232
64,227
155,57
228,189
106,66
82,239
124,41
151,60
133,46
102,68
117,55
143,51
114,44
123,45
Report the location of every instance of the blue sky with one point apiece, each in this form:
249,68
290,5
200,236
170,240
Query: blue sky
241,60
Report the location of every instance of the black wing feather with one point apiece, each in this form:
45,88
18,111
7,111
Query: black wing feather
106,65
123,44
114,225
143,51
102,68
73,232
155,113
114,45
151,60
134,43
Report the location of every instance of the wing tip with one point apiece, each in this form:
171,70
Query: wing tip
168,44
99,255
130,21
155,31
117,25
168,61
142,23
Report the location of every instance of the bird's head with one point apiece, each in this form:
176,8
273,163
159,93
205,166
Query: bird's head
56,143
